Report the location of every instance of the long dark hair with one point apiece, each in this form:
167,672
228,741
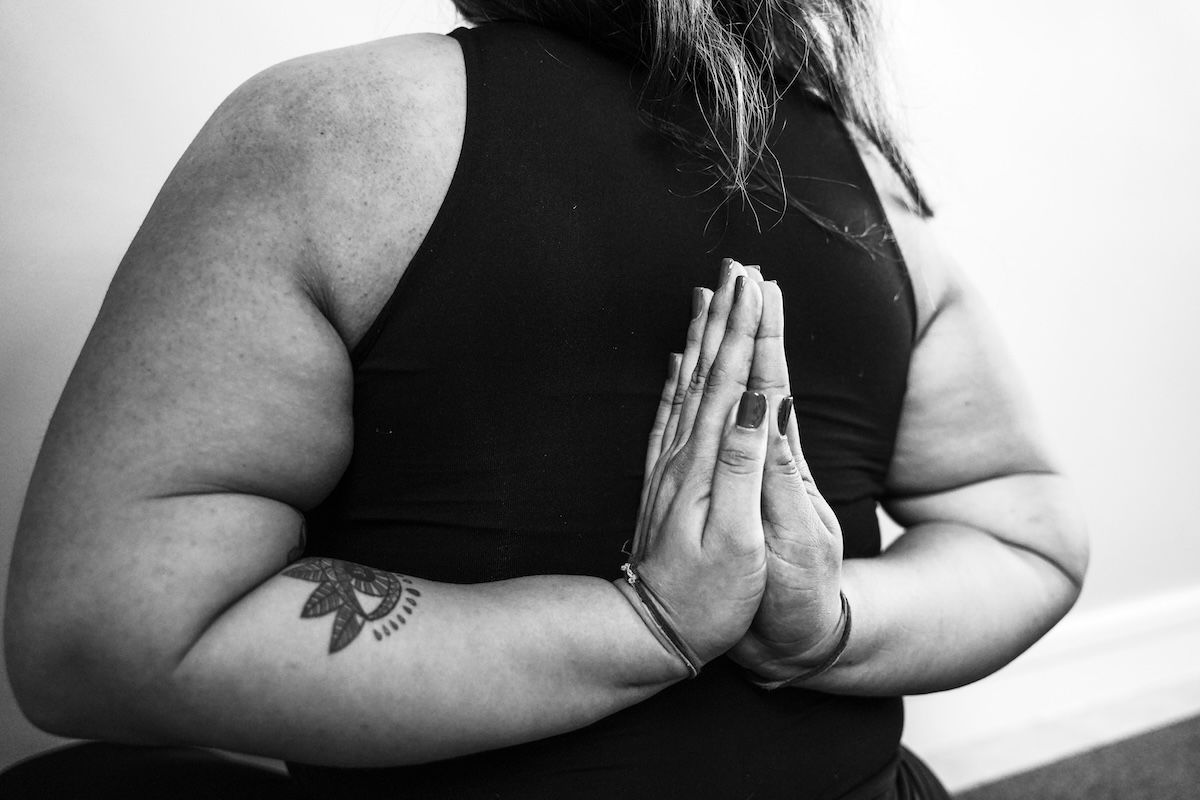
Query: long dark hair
735,57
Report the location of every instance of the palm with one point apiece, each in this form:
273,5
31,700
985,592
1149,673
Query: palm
799,608
800,605
803,561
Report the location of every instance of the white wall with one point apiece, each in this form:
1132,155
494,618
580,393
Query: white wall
1057,138
1060,140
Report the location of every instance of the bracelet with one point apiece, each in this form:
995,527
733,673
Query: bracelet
825,665
654,610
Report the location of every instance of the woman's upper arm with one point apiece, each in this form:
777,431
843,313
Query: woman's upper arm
210,402
968,449
966,417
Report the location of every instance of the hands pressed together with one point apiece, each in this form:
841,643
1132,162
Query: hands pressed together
735,550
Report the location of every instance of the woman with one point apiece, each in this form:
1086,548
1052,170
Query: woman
417,293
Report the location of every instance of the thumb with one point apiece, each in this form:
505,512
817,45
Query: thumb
785,500
792,524
734,514
787,429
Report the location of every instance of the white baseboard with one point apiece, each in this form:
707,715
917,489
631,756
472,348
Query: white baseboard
1098,677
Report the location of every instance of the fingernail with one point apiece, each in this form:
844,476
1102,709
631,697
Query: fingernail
754,267
697,301
785,415
673,362
737,287
751,410
726,266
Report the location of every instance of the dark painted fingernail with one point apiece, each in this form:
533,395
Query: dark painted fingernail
697,301
737,287
785,415
673,362
726,265
751,410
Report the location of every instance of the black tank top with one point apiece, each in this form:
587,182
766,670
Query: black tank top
503,398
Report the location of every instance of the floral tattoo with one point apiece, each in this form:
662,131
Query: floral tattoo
340,585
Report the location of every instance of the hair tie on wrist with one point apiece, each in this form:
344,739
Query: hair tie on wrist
825,665
653,607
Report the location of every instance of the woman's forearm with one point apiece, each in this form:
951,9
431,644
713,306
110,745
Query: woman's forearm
145,606
981,573
450,669
944,606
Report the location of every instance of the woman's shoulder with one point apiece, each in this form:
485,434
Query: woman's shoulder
371,109
368,138
343,99
933,272
408,69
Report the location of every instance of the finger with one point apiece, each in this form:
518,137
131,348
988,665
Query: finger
753,271
723,273
820,505
730,371
769,372
734,514
656,461
710,343
707,333
701,298
652,474
786,502
792,433
665,401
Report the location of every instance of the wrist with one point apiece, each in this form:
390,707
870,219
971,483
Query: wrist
774,666
666,664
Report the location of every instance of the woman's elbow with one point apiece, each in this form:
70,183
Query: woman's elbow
1067,544
74,682
44,672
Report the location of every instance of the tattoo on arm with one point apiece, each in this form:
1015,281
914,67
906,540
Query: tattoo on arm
341,586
